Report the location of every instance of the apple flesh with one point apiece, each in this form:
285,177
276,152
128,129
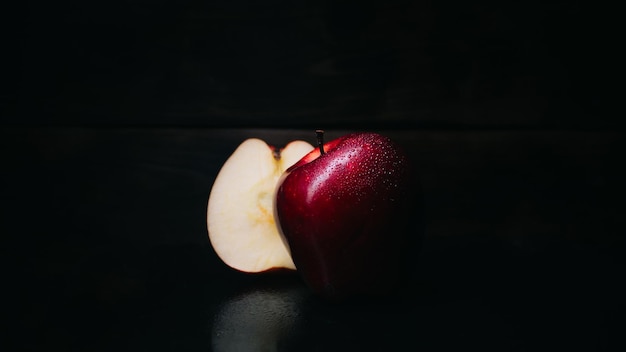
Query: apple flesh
344,211
240,217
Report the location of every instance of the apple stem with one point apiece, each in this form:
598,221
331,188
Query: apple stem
320,140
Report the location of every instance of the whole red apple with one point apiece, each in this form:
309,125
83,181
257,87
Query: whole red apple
343,211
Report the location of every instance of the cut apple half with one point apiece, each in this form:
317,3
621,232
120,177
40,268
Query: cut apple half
240,215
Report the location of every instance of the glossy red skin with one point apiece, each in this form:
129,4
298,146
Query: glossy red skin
344,215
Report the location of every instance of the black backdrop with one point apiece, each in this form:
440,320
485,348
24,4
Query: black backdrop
305,63
117,115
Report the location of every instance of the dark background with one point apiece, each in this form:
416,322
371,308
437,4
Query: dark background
117,115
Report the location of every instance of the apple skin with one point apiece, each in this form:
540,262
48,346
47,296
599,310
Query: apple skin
345,215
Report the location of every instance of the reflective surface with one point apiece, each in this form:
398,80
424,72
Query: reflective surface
476,293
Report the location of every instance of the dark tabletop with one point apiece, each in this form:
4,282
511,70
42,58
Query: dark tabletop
118,116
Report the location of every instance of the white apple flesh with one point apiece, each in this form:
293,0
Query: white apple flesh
240,215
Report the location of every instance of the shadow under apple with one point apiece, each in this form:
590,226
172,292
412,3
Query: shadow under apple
287,316
264,318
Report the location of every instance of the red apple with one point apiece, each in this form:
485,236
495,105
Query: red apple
344,211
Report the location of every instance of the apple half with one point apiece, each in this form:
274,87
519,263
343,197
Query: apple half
240,212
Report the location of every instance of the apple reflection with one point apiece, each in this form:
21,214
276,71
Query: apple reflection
264,319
